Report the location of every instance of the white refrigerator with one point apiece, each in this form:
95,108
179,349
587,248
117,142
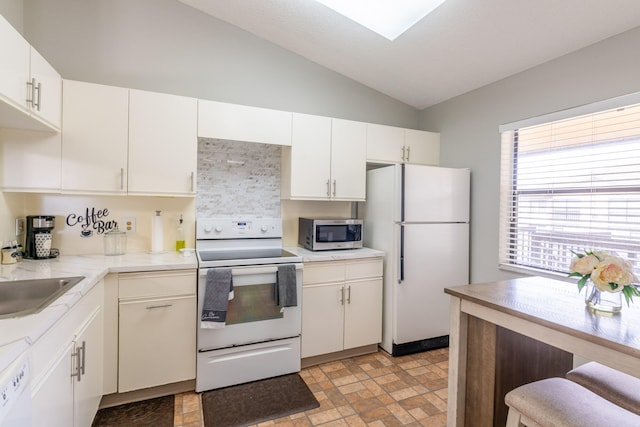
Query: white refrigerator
419,216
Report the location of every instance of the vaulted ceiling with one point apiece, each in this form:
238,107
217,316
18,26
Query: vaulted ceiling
461,46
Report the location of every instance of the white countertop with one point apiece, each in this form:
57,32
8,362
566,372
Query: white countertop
16,334
337,255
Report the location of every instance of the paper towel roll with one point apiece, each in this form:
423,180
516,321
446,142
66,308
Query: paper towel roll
157,243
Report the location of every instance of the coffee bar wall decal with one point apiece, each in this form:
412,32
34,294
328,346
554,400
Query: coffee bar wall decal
92,222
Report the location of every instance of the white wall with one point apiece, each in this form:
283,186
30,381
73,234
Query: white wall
469,124
12,11
166,46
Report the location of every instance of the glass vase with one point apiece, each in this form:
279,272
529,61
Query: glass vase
608,302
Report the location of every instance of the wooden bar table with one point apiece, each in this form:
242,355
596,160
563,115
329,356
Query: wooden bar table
508,333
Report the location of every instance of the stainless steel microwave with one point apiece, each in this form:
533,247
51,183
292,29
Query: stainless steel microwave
321,234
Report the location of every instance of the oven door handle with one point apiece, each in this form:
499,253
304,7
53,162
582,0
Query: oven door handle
247,271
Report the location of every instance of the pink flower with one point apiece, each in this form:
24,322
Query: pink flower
585,264
612,270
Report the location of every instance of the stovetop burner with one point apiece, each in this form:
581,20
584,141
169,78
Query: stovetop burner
206,256
225,242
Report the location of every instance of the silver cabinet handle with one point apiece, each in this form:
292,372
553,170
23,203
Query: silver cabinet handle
39,89
334,188
151,307
408,153
83,358
349,294
79,354
193,183
31,91
403,153
342,295
122,178
328,187
76,354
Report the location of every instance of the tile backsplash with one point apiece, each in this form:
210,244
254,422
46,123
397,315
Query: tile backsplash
238,179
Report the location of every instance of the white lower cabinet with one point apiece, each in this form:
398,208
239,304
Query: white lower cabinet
341,305
67,366
157,329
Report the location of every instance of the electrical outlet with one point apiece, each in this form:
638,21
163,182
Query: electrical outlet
128,225
19,226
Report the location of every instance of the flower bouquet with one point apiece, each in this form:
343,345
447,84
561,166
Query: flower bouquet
608,273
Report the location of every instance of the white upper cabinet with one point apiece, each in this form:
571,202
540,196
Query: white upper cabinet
326,160
306,166
163,144
422,147
388,144
242,123
46,101
30,89
385,144
94,140
348,160
14,69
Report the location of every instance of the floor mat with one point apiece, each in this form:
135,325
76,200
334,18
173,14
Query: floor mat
156,412
257,401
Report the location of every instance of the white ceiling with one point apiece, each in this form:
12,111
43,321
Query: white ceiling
461,46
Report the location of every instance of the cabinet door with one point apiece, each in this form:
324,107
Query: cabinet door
385,144
422,147
47,102
242,123
348,160
52,398
310,157
157,342
88,390
322,319
95,138
30,160
14,68
363,313
163,144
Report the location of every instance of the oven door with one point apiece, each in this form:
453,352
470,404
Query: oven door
253,315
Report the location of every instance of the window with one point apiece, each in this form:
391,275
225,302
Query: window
570,184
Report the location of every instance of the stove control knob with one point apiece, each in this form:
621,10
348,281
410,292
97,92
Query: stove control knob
264,228
208,228
218,228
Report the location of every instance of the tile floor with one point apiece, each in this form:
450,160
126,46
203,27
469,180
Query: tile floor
371,390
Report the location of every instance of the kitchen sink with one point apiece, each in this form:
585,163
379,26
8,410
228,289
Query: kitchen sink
22,297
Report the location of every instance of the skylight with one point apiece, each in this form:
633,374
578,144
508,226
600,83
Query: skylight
389,18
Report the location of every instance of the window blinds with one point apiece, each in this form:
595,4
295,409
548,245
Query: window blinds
571,185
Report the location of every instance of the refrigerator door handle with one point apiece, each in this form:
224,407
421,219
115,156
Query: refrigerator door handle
401,278
402,201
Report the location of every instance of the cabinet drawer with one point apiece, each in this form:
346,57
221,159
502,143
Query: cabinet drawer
364,269
156,284
322,272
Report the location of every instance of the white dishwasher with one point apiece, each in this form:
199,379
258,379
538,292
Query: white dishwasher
15,395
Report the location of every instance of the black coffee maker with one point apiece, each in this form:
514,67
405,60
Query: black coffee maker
38,240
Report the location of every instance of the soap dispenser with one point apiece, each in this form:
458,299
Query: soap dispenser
180,243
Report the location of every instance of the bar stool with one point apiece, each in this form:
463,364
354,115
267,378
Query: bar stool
560,402
615,386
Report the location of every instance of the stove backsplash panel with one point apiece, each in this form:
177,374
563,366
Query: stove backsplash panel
238,179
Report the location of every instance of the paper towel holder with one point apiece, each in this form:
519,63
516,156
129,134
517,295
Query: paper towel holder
157,230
